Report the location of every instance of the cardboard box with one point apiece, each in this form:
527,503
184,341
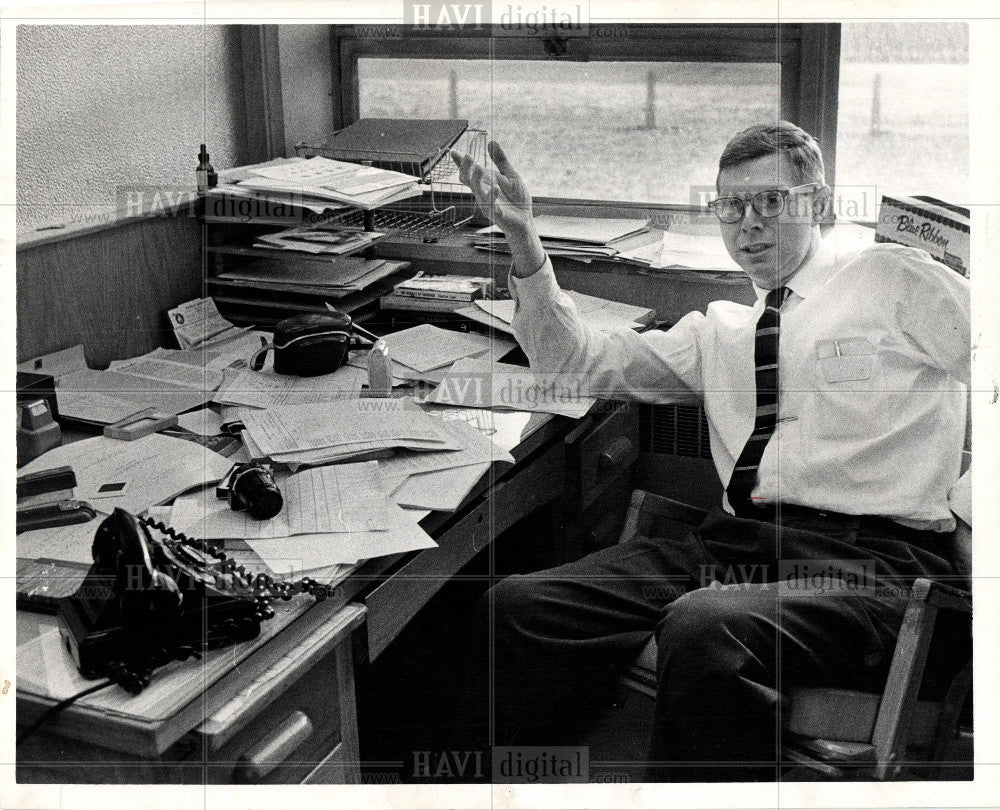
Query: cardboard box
923,222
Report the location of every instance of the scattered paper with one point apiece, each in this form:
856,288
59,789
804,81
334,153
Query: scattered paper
88,406
367,423
204,422
134,475
476,313
592,230
266,389
475,383
427,347
597,313
288,558
504,428
72,543
477,449
131,392
323,500
170,373
440,491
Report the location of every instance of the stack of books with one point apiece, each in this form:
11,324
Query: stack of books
437,293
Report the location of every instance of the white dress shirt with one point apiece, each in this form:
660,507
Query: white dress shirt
874,365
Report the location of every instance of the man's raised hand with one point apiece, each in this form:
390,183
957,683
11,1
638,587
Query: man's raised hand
504,196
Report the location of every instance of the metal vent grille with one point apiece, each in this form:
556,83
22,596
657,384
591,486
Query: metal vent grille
676,430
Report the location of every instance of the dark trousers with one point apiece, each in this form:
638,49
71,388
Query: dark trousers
741,609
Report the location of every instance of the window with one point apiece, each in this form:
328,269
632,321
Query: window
903,117
635,113
635,132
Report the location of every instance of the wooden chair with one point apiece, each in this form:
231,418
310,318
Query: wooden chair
842,733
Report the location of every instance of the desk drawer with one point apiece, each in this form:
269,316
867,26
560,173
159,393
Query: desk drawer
602,452
296,716
393,603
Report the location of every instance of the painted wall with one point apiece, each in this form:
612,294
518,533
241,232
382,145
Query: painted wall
103,106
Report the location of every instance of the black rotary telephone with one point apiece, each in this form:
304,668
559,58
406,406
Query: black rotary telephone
150,600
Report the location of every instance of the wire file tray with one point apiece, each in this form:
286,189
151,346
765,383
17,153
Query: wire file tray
445,204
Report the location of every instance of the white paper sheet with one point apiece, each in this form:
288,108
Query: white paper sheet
289,557
426,347
153,469
196,321
595,312
504,428
443,490
170,373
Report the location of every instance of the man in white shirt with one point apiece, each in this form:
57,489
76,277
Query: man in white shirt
836,407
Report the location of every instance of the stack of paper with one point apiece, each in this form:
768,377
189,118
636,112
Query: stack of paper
265,389
705,253
582,238
319,239
440,481
306,552
332,279
129,386
595,312
320,178
333,431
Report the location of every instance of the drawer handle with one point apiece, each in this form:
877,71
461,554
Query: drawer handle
615,455
256,763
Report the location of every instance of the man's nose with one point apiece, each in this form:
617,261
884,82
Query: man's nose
751,219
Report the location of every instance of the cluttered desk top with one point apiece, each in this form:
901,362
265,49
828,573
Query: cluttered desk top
366,481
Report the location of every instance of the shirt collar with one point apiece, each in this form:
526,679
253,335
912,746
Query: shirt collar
810,276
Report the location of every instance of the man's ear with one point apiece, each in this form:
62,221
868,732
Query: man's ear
821,204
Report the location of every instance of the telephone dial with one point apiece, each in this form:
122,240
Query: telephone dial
152,597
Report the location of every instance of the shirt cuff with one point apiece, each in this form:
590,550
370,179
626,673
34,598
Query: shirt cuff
539,286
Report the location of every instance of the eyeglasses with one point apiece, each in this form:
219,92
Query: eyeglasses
768,203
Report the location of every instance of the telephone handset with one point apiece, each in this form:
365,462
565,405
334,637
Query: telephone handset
148,600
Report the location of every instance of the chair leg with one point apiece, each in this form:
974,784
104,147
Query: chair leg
900,695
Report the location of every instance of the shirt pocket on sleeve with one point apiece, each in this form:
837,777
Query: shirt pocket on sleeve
847,359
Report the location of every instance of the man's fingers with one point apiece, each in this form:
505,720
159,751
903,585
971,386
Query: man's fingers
508,186
499,157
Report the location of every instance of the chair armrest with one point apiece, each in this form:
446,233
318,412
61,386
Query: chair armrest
941,595
648,512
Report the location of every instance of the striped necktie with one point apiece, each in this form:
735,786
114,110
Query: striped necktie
744,477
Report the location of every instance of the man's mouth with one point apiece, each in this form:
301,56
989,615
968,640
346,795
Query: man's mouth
754,249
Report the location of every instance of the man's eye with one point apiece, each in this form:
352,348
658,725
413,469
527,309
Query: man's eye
771,200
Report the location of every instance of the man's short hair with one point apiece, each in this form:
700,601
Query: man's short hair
765,139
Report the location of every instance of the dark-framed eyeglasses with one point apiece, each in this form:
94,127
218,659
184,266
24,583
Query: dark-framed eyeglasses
767,203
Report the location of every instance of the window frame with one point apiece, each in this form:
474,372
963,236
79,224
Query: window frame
808,55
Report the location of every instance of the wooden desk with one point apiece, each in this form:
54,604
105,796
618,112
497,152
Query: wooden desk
281,709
